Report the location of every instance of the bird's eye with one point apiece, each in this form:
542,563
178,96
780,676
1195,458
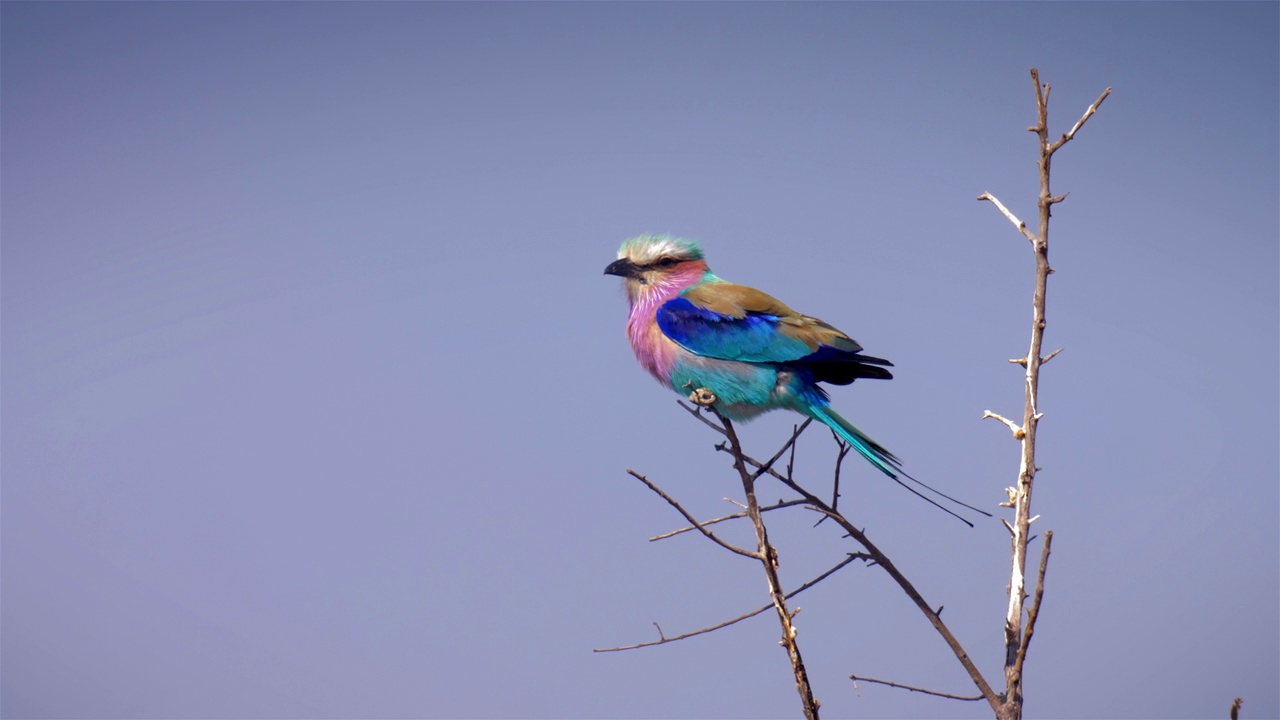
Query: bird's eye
667,262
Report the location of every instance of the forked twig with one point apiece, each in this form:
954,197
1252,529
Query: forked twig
664,639
692,521
735,516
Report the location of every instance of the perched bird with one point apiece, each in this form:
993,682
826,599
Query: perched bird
692,330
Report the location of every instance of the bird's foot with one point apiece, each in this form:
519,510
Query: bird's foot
701,396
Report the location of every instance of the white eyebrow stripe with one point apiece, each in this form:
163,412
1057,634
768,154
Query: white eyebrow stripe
645,252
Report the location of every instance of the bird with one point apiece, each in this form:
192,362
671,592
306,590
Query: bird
693,331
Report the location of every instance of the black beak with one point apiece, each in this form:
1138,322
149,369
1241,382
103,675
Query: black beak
622,268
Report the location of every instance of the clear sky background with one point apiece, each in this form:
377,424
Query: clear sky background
316,401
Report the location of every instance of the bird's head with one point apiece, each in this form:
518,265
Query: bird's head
657,265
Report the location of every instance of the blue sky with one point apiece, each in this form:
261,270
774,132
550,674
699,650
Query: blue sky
316,403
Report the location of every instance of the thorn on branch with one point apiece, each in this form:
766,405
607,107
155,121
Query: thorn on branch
1050,356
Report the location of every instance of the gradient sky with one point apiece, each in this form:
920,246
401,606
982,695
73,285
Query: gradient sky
317,404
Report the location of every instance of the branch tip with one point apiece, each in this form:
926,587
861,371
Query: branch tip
935,693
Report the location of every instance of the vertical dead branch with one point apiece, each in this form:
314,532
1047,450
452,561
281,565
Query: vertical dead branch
1020,495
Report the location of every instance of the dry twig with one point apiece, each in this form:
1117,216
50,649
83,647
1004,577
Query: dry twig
663,639
710,536
912,688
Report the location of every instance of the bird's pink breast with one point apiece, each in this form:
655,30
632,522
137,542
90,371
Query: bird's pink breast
654,350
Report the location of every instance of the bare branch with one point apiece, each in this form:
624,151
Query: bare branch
1235,708
1088,113
663,639
1034,612
694,411
711,536
1022,227
1018,432
935,693
835,483
791,461
735,516
788,445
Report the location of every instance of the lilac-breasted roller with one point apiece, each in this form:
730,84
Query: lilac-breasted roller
690,330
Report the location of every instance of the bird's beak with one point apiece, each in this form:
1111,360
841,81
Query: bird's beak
622,268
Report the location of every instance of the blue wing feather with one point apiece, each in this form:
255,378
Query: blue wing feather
752,338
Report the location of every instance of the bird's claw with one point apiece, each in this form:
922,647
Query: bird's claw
701,396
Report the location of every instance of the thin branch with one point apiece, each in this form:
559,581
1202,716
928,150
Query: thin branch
1088,113
789,444
1018,432
835,482
722,447
1034,612
711,536
791,461
935,693
735,516
1022,227
694,412
664,639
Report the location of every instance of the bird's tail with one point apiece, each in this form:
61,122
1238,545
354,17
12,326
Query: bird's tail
877,455
874,452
